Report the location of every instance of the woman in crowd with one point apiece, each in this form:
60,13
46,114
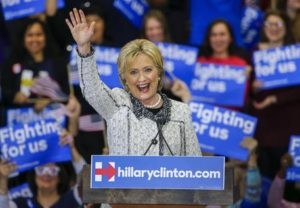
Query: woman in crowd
35,66
277,110
155,29
219,47
140,120
292,9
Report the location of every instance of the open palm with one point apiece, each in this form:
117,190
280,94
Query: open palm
79,28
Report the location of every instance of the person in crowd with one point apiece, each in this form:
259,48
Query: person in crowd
292,9
155,29
177,14
253,187
219,47
278,109
49,183
140,120
284,194
34,74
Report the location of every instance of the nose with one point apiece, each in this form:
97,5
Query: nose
142,77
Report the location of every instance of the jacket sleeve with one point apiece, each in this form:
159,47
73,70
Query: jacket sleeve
192,143
98,95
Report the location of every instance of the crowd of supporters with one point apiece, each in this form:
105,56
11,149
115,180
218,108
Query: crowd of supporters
37,48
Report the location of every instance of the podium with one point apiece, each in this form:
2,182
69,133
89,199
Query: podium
164,198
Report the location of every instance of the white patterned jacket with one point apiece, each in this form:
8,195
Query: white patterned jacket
127,134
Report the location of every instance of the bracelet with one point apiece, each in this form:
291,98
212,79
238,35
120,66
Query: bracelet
86,55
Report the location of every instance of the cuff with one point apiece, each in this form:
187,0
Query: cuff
78,166
87,55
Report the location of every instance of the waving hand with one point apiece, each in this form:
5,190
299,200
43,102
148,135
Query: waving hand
81,31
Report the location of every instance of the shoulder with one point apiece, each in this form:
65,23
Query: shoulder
120,96
179,110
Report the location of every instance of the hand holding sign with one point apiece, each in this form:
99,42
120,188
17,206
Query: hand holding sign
265,103
285,162
20,98
66,139
6,168
180,89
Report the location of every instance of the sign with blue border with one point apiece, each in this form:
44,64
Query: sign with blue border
22,190
220,131
33,144
156,172
293,173
251,24
278,67
133,10
28,114
14,9
106,59
179,60
219,84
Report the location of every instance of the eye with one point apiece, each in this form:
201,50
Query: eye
133,72
148,69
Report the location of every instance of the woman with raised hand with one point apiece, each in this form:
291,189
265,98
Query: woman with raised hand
140,119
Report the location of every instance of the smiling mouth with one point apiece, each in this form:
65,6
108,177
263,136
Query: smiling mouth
143,87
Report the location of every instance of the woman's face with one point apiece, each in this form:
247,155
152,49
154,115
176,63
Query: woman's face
142,79
154,30
274,29
293,4
219,38
47,177
34,39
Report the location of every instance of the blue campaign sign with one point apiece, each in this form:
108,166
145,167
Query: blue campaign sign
14,9
220,131
33,144
155,172
293,173
278,67
179,60
133,10
218,84
22,190
251,25
27,114
106,59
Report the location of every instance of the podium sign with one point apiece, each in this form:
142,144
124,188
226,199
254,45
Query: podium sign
154,172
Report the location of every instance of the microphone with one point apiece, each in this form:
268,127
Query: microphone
153,142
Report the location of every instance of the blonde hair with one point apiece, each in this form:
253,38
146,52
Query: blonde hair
134,48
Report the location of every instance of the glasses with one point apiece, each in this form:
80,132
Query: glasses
269,24
45,170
